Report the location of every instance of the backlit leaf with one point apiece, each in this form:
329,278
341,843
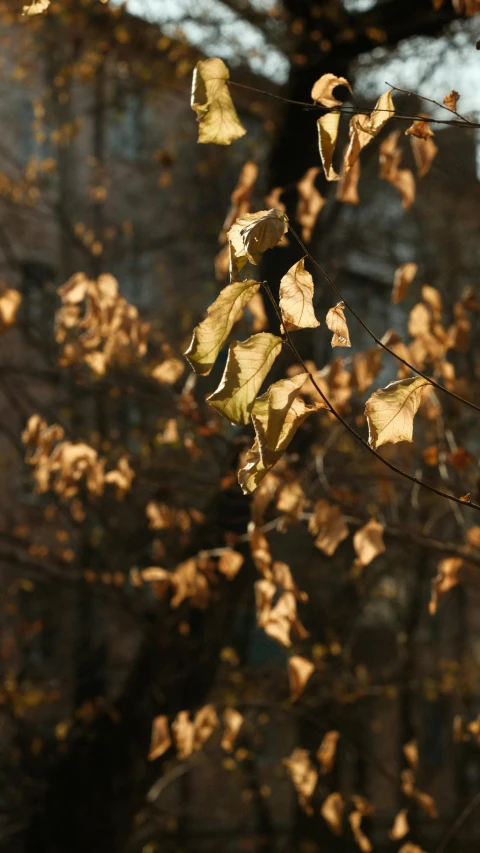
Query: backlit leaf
253,233
303,775
310,203
210,335
404,276
347,187
328,525
217,117
364,128
327,750
160,740
368,542
299,671
230,563
332,812
327,127
322,91
247,366
233,721
390,411
400,826
296,298
451,100
10,301
337,324
424,151
355,820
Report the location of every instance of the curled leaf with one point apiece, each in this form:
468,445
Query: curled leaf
327,750
332,812
327,127
252,234
347,188
296,298
364,128
390,411
400,826
322,90
233,721
423,147
303,775
310,203
355,820
216,114
451,100
368,542
328,525
404,276
210,335
299,671
337,324
247,366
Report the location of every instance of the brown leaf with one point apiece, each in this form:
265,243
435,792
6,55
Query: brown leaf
327,127
183,732
291,499
256,308
10,301
299,671
420,129
327,750
328,525
204,724
347,188
332,812
322,91
303,775
411,848
168,371
296,298
451,100
230,563
355,821
401,179
400,826
390,411
233,721
410,751
310,203
337,324
161,740
368,542
365,367
364,128
432,297
404,276
448,575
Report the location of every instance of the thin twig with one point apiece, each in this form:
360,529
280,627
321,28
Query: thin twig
411,367
463,816
350,429
431,101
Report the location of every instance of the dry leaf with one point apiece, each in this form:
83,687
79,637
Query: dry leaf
296,298
448,575
402,179
230,563
10,301
337,324
368,542
432,297
310,203
252,234
400,826
161,740
328,525
183,733
327,127
303,775
365,367
36,7
216,114
168,371
404,276
355,821
322,91
247,366
410,751
299,671
364,128
121,477
451,100
332,812
233,721
347,189
390,411
210,335
291,498
204,724
327,750
240,197
256,308
424,152
411,848
420,129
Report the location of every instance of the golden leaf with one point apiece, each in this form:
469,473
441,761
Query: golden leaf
332,812
296,298
256,308
404,276
347,188
365,367
328,525
276,417
451,100
183,733
121,477
401,179
322,90
299,671
247,366
364,128
390,411
216,114
410,751
448,575
368,542
420,129
303,775
432,297
424,152
210,335
205,722
327,127
337,324
252,234
355,821
169,371
310,203
160,740
10,301
36,7
230,563
233,721
400,826
411,848
327,750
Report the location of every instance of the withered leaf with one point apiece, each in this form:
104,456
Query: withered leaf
400,826
337,324
233,721
230,563
451,100
216,114
247,366
327,750
364,128
322,90
368,542
420,129
347,188
296,298
390,411
328,525
411,848
160,740
355,821
299,671
10,301
169,371
310,203
448,575
410,751
210,335
332,812
424,152
303,775
404,276
253,233
36,7
183,733
327,127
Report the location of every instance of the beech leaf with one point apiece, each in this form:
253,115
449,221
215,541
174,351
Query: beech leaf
296,298
404,276
310,203
247,366
390,411
451,100
364,128
327,750
210,335
337,324
328,525
327,127
216,114
233,721
400,826
322,91
347,188
368,542
161,740
253,233
355,821
303,775
332,812
299,671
